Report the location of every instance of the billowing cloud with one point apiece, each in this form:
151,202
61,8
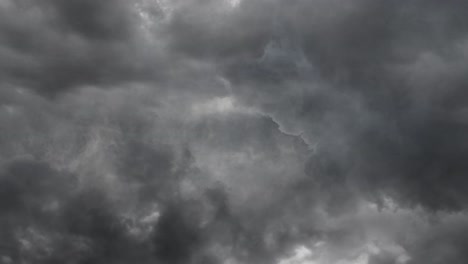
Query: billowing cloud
216,131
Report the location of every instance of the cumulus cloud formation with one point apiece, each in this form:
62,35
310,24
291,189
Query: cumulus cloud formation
233,131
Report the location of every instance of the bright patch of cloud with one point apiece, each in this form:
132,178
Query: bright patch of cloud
221,105
234,3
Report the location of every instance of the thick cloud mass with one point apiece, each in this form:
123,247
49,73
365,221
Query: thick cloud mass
223,131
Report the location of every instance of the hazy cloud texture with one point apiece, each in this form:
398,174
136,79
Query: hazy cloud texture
222,131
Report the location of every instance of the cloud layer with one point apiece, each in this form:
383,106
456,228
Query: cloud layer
252,131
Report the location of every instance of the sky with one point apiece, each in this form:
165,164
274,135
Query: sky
233,132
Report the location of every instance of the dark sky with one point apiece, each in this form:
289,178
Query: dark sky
233,132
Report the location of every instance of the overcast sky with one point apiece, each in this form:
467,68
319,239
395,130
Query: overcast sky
233,132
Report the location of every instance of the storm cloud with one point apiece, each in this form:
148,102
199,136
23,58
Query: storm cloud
224,131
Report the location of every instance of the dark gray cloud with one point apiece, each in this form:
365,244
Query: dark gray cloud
378,98
59,45
252,131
